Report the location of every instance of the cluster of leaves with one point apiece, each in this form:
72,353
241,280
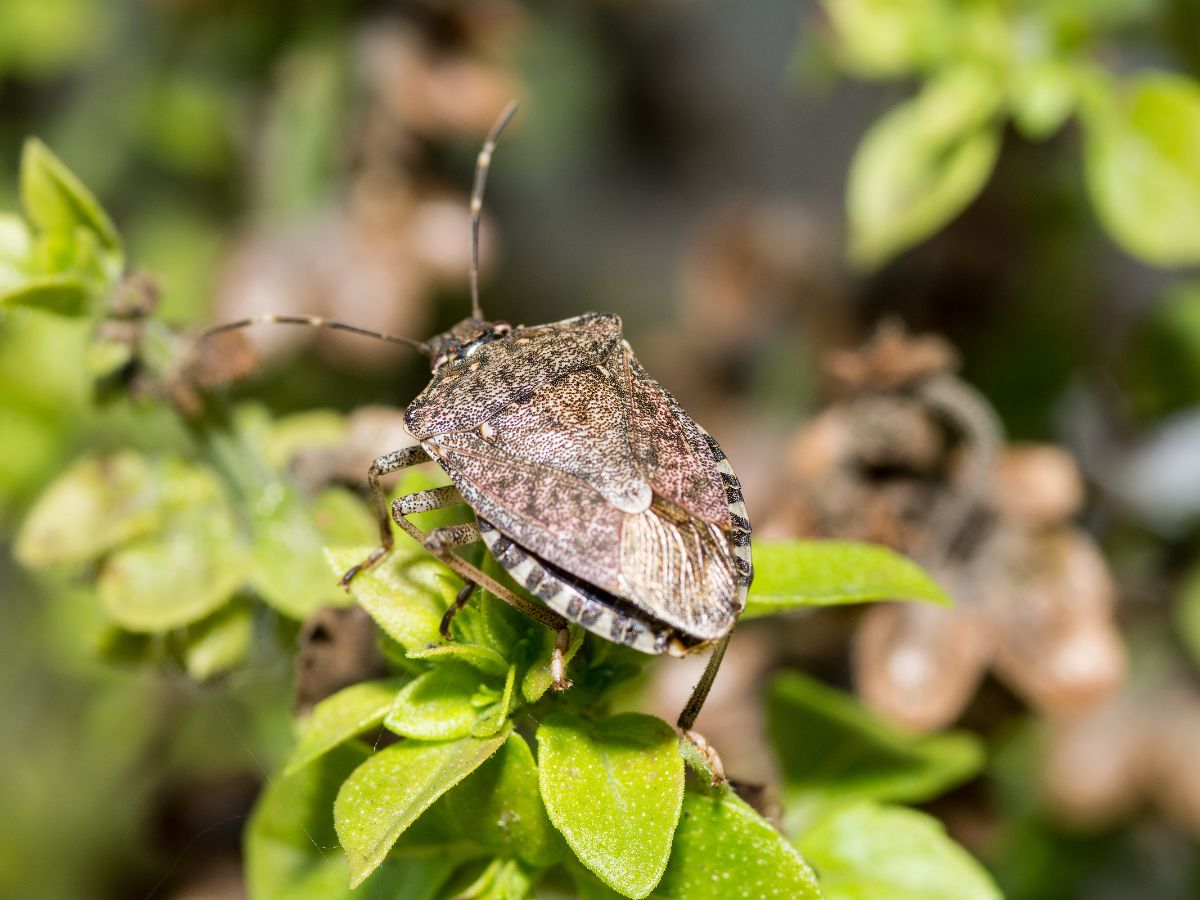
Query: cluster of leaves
985,64
429,779
474,779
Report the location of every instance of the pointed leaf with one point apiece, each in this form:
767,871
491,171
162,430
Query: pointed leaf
55,200
64,295
614,789
391,790
830,746
794,574
500,808
723,848
868,850
921,164
405,595
485,659
346,714
217,644
493,717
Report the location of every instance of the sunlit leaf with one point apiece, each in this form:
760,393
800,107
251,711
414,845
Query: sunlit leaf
1042,96
921,164
1142,156
794,574
55,200
723,848
406,595
344,715
438,705
830,746
500,808
614,789
881,38
485,659
388,792
64,295
867,850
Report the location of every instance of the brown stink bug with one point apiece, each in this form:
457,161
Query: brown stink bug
589,484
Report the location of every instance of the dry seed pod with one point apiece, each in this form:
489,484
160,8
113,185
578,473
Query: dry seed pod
919,665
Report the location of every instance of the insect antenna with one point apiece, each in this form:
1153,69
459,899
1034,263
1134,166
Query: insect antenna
318,322
482,164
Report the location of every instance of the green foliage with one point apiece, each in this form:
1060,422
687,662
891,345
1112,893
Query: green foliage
1037,65
796,574
831,748
1162,374
614,788
868,850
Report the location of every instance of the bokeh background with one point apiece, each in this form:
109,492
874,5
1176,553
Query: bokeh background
685,164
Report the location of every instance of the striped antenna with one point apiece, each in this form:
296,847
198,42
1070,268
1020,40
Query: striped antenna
482,164
318,322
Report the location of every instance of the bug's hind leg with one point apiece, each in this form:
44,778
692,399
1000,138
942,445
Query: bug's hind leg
687,718
441,542
389,462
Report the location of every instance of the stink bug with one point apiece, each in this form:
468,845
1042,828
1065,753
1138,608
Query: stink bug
589,484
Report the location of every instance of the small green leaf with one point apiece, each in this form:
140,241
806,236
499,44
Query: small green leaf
64,295
177,576
503,879
794,574
614,789
493,717
437,705
887,38
390,791
538,677
499,807
485,659
217,644
346,714
406,595
723,848
97,504
1187,613
867,850
55,200
1043,95
1142,160
829,746
921,164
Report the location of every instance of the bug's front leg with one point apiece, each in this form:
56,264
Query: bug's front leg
695,703
389,462
441,542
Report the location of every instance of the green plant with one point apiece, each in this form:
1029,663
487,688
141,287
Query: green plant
459,773
984,64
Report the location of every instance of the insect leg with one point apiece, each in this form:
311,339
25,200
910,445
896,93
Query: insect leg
389,462
687,718
437,543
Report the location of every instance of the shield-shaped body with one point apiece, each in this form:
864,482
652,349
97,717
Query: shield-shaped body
590,485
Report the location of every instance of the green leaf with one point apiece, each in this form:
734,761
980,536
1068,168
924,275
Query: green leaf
292,849
868,850
217,644
406,595
723,848
829,746
1042,95
290,842
887,38
793,574
614,789
498,806
390,791
1187,613
438,705
503,879
538,677
485,659
97,504
1142,159
55,200
921,164
493,716
1163,369
64,295
177,576
342,716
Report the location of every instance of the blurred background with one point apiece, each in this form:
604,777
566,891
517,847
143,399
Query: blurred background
928,270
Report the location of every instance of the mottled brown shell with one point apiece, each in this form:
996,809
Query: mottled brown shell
558,438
